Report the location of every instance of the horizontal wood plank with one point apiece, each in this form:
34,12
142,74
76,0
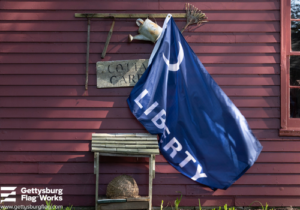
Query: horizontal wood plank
215,5
213,15
272,134
57,134
280,168
86,156
244,190
255,101
80,58
80,179
129,26
71,69
264,123
89,200
142,179
108,113
58,90
80,113
280,146
53,156
122,37
63,102
65,80
67,135
84,146
46,146
136,168
260,112
268,179
89,189
279,157
98,124
19,168
171,190
94,91
115,102
82,5
271,200
76,200
134,48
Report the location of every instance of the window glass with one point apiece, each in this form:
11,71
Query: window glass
295,9
295,103
294,70
295,35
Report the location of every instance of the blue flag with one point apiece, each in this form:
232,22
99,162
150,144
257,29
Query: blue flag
202,133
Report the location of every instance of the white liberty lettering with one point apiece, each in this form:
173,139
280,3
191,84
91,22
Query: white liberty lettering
142,95
150,109
187,159
159,117
164,134
199,174
159,121
168,132
171,144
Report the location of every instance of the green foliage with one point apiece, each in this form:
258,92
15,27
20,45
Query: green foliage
50,206
3,207
69,208
200,208
161,205
264,208
177,202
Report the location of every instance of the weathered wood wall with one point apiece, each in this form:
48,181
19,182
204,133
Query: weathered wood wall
47,117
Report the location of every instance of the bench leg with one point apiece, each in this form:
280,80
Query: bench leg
96,171
150,181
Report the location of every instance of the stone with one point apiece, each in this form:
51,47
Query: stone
122,73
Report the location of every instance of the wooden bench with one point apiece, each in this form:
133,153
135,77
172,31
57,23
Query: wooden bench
125,145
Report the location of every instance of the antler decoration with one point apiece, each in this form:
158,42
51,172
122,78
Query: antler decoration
193,16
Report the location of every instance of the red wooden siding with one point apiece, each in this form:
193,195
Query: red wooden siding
47,117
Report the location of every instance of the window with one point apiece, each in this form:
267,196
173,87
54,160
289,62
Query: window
290,68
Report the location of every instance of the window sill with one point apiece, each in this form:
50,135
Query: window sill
289,132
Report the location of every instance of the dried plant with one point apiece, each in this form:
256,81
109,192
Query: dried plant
193,16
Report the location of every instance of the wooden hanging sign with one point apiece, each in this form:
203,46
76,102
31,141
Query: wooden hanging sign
122,73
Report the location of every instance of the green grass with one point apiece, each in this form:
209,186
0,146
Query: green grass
177,202
264,208
50,206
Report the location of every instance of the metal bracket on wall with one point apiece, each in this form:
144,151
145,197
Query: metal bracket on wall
193,16
113,15
108,39
88,16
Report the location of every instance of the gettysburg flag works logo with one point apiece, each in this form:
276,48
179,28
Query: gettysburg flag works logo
6,192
